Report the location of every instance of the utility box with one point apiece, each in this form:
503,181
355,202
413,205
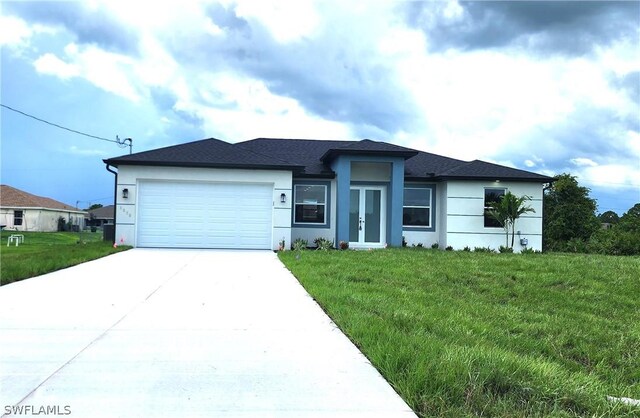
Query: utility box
524,242
109,232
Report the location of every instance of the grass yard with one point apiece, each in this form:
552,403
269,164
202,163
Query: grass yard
475,334
43,252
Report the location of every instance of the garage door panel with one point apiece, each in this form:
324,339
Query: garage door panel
204,215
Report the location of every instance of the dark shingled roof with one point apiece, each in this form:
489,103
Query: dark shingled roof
105,212
477,169
204,153
368,147
311,158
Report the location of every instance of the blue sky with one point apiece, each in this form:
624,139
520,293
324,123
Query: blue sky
550,87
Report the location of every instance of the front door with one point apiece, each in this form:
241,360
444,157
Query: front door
367,217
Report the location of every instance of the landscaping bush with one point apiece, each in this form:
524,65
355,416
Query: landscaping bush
529,251
299,244
504,249
344,245
435,246
323,244
483,250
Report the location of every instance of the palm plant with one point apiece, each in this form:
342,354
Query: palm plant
507,210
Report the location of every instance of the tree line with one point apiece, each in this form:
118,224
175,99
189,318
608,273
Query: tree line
571,223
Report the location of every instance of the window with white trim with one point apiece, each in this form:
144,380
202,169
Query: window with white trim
18,215
492,195
310,202
416,210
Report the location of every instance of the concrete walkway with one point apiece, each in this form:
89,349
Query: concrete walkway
180,333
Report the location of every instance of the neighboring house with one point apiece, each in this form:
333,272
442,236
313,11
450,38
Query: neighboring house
258,193
22,211
101,216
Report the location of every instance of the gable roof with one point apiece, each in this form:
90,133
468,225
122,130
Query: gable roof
105,212
311,158
10,197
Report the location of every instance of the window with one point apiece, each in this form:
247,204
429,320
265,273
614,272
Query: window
491,196
310,202
17,217
416,209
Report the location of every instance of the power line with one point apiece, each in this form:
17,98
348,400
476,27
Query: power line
56,125
121,143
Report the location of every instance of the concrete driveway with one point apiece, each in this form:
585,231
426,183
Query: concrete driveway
180,333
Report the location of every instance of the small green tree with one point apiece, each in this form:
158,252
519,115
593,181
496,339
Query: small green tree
507,211
569,213
630,221
94,206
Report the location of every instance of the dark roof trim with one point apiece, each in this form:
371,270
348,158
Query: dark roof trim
541,179
332,153
116,162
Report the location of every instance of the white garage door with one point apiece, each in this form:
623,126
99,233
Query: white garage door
204,215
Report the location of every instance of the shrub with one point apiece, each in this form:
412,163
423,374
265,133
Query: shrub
467,249
575,245
404,242
62,224
435,246
504,249
323,244
419,245
299,244
344,245
614,241
529,251
483,250
449,248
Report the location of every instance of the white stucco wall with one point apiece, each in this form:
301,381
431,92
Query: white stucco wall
39,219
465,215
130,176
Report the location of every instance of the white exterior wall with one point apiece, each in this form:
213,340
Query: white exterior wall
465,216
39,219
311,233
130,176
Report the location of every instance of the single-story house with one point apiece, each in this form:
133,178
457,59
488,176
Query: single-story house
22,211
101,216
264,192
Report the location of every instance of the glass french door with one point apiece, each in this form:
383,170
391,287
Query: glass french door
367,217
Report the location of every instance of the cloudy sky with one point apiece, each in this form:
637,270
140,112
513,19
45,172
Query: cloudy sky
550,87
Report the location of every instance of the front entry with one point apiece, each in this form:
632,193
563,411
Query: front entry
367,217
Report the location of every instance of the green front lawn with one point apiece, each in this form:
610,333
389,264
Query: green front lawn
43,252
474,334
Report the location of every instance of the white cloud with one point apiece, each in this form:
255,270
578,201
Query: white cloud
237,108
612,175
52,65
286,21
16,34
583,162
106,70
13,31
86,152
